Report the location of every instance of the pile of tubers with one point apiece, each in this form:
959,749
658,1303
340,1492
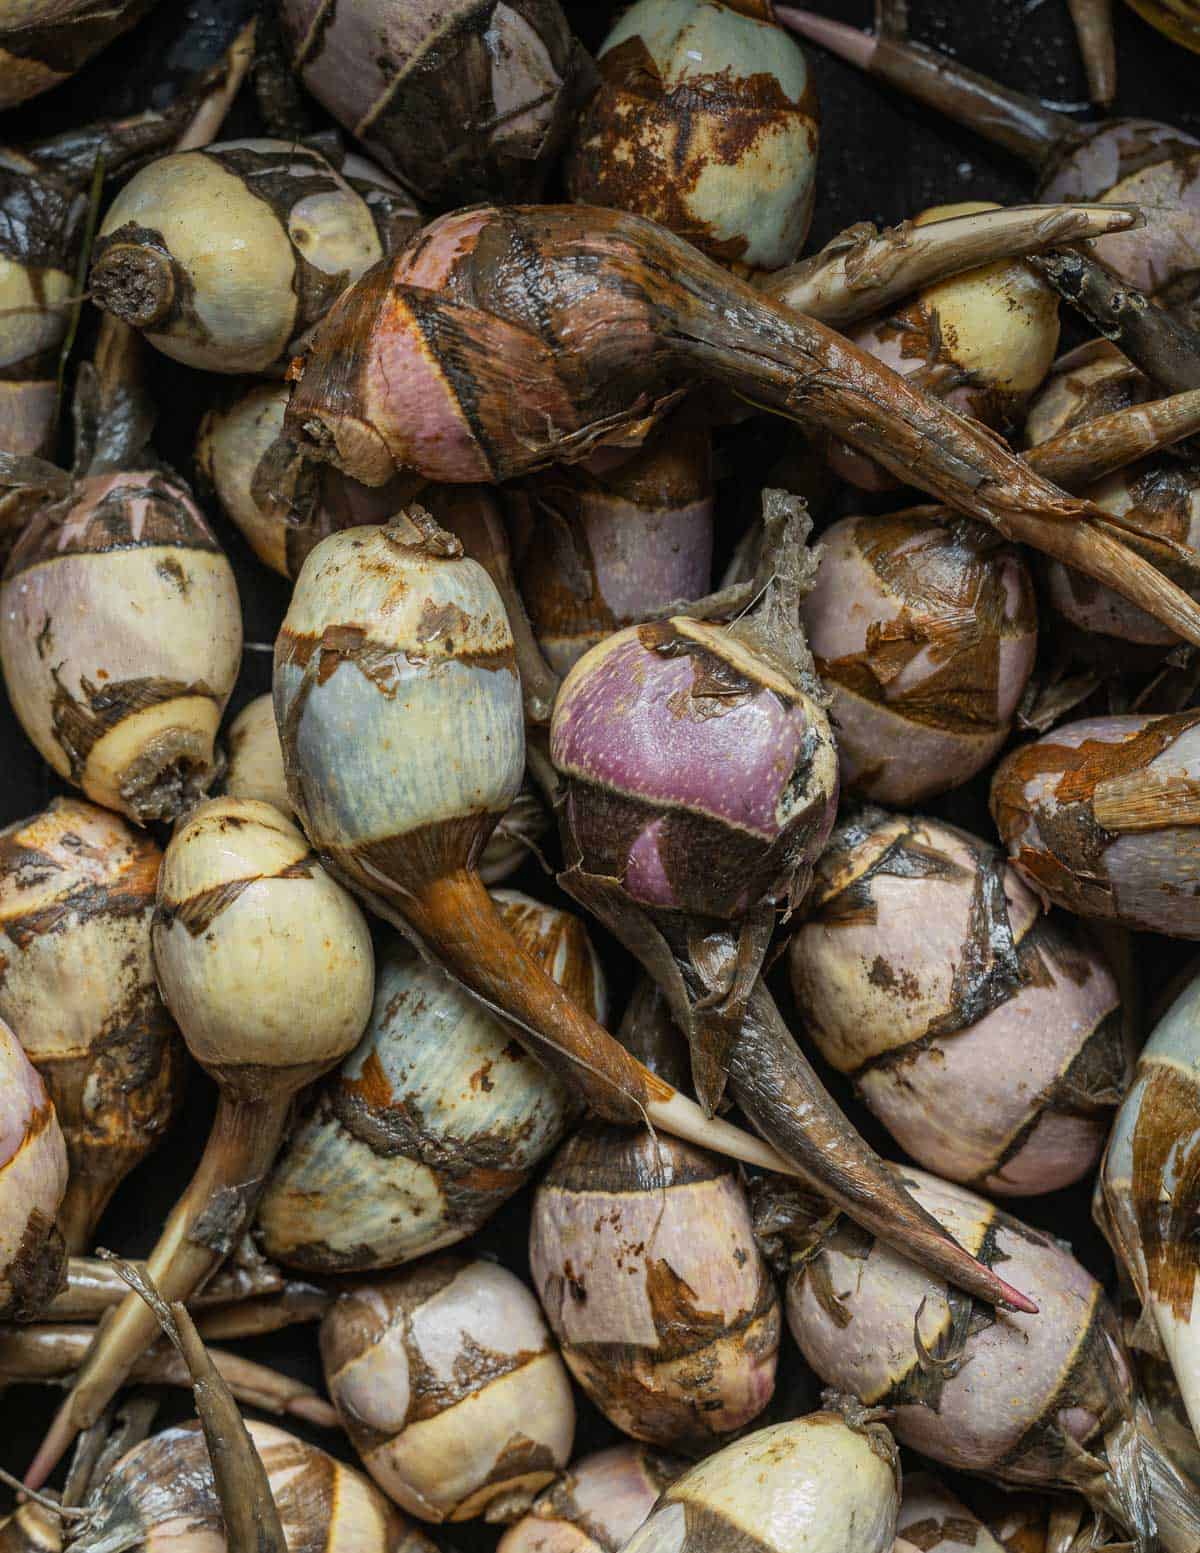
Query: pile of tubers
604,802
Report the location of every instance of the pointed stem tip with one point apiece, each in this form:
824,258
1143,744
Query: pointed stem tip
848,43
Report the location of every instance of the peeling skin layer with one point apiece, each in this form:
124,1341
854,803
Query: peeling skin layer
815,1484
1161,494
77,979
448,1384
926,635
433,635
1151,1182
706,121
615,547
1101,817
431,1123
163,1490
557,328
643,1255
1010,1395
596,1506
50,40
985,1037
698,776
463,101
122,695
224,256
33,1177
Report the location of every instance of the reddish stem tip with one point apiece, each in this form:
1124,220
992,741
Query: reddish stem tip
1016,1300
846,42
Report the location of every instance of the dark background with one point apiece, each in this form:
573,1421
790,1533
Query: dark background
882,159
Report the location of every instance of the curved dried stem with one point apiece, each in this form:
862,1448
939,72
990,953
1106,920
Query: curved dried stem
1094,26
53,1353
201,1231
1010,119
248,1509
1159,344
1093,449
862,270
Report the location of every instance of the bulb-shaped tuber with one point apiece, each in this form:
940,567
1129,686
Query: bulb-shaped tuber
1100,817
282,505
610,547
254,762
120,638
224,257
33,1178
984,1035
596,1506
77,891
1046,1402
462,101
434,1120
603,319
642,1252
706,120
925,634
824,1482
397,648
451,1389
163,1490
266,965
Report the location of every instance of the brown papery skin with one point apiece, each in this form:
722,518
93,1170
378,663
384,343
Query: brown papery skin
46,42
502,340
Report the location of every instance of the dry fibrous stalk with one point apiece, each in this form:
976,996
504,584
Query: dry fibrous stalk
292,230
922,968
33,1179
598,319
1094,25
1148,1193
925,635
1119,161
93,1286
705,120
77,894
607,547
451,1389
829,1482
1100,817
394,640
874,1326
44,42
863,270
1164,347
438,1109
266,965
596,1506
642,1252
461,101
167,1481
53,1353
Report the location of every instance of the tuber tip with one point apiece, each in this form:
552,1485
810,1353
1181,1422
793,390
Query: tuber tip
848,43
52,1449
134,283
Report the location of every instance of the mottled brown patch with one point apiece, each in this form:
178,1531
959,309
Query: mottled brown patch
1165,1188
